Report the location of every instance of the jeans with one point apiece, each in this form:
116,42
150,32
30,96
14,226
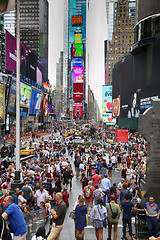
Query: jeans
125,222
104,198
152,223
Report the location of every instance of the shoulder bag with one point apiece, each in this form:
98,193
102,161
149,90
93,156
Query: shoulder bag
104,220
114,214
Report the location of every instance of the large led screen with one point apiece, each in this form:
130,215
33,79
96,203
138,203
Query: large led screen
25,95
11,54
77,87
78,97
77,62
51,108
77,20
116,107
35,102
77,50
12,97
2,104
108,119
78,38
77,109
77,74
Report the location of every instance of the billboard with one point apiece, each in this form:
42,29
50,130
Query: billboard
31,65
77,74
11,55
23,112
121,135
12,97
108,119
39,76
77,109
78,97
77,50
78,38
78,87
106,99
2,104
35,102
51,108
77,20
116,107
25,95
77,62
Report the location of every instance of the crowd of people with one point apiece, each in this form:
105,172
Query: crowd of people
47,182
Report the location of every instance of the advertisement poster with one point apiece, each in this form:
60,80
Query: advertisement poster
77,109
77,74
23,112
108,119
35,102
106,100
116,107
77,50
2,104
12,97
25,95
78,97
77,62
31,65
11,55
78,87
78,38
39,76
77,20
44,105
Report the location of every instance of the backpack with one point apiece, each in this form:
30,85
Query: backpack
88,192
97,195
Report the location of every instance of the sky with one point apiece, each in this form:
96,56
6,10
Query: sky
96,34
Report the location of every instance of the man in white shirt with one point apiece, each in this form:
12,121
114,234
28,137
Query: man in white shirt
114,161
40,196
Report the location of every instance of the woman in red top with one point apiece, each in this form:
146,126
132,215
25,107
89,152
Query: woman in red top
65,197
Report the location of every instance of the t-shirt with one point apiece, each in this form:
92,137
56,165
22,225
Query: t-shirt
127,209
61,212
92,190
115,208
16,219
41,196
26,190
96,179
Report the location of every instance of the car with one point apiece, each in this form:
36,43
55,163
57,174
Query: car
26,151
7,151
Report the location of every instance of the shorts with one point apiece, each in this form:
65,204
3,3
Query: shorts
89,204
77,169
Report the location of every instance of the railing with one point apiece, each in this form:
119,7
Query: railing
35,220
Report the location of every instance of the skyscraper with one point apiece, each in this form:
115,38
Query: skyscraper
122,36
9,22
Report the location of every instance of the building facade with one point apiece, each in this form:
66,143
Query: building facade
122,36
9,22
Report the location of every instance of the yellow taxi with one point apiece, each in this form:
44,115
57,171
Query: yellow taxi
26,151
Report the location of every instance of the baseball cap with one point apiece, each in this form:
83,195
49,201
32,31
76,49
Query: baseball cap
134,199
122,179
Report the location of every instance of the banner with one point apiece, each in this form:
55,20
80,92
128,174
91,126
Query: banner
25,95
77,50
77,74
106,100
116,107
78,87
6,6
77,109
2,104
121,135
35,102
11,55
12,97
78,97
108,119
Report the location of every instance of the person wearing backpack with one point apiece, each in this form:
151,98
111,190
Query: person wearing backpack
113,211
88,196
97,194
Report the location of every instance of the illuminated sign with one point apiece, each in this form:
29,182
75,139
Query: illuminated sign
2,104
77,20
35,102
77,50
12,97
77,109
77,62
78,38
25,95
77,74
116,107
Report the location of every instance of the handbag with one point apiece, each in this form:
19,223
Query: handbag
72,215
104,220
2,230
114,214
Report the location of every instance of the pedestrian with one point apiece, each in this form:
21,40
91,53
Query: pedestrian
113,191
96,179
66,197
58,214
113,207
152,213
15,195
127,206
97,194
88,196
98,215
105,185
123,192
16,218
40,196
80,213
27,192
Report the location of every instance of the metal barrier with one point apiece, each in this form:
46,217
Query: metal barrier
35,220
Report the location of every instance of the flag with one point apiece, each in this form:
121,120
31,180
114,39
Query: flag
6,6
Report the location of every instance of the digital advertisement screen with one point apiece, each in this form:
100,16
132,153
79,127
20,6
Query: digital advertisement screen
12,97
116,107
31,65
51,108
23,112
77,62
77,20
78,97
35,102
77,74
11,55
78,38
78,87
2,104
77,50
106,100
25,95
77,109
108,119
